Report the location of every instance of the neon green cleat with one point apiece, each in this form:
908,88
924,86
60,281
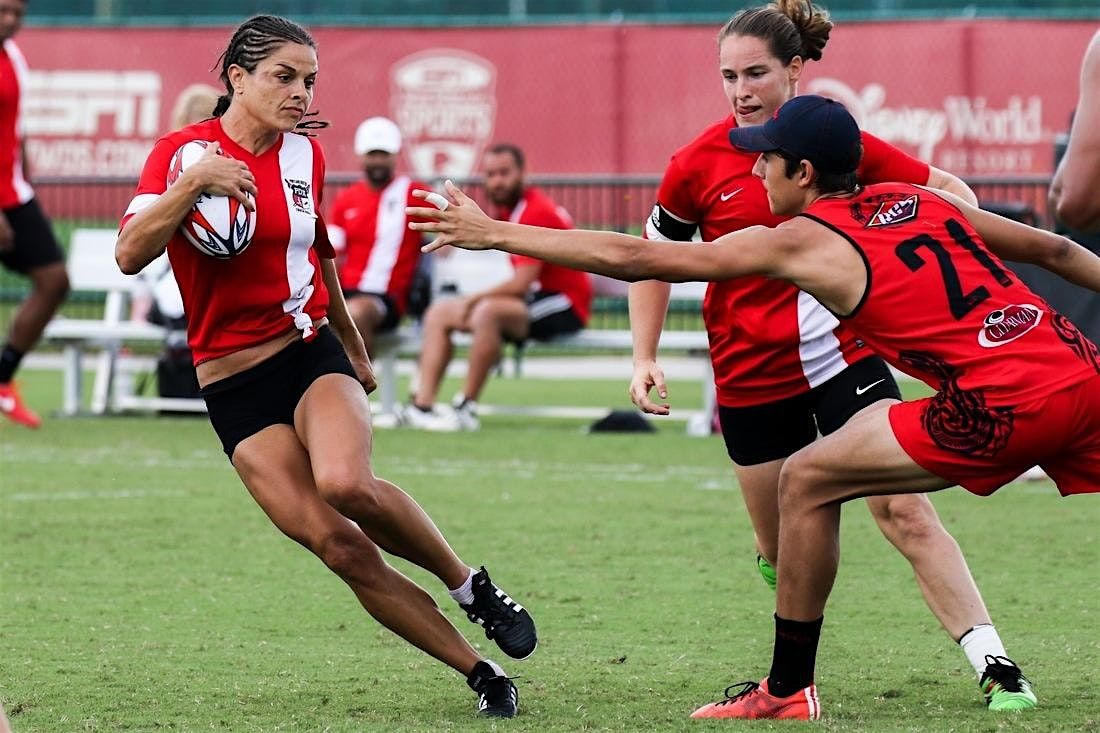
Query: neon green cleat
767,572
1005,687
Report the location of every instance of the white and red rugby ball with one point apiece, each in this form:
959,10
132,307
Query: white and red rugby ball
219,226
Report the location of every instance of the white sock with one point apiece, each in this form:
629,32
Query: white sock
464,593
981,640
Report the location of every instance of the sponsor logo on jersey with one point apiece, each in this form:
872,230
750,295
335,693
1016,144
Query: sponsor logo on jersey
299,195
894,212
1008,324
731,194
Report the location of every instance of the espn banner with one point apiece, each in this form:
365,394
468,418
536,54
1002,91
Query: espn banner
981,97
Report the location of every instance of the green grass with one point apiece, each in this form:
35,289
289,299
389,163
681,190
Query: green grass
142,590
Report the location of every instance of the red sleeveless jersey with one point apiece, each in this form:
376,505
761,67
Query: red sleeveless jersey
768,340
275,285
944,309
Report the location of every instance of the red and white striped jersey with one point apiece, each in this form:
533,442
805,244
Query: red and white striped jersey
275,285
768,340
943,308
537,209
370,228
14,189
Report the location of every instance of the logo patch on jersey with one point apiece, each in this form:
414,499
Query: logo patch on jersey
299,195
1008,324
894,212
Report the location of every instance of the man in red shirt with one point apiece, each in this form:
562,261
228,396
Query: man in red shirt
27,243
915,274
541,300
377,252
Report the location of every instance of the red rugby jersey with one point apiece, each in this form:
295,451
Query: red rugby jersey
273,286
537,209
768,340
14,189
370,226
941,307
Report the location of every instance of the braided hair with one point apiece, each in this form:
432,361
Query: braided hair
252,42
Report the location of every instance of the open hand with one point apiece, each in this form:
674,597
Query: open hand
461,222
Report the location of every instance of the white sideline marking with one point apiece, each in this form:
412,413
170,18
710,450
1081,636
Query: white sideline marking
95,495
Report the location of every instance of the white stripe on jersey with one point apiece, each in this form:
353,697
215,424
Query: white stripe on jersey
141,202
518,211
296,165
818,347
389,234
22,189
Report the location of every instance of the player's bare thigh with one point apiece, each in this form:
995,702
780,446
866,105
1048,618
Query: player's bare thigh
863,458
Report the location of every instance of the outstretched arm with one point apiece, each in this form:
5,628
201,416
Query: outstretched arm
462,224
1013,240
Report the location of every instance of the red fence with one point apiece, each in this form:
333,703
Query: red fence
981,97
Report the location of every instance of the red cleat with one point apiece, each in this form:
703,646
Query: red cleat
753,701
12,407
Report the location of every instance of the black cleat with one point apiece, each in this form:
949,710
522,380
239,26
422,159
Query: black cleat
497,697
505,621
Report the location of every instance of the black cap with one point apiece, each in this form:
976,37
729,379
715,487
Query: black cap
807,127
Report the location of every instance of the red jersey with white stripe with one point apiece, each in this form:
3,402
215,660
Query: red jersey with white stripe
380,252
768,340
943,308
538,210
14,189
275,285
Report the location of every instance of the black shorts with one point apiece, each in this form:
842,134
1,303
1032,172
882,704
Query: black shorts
551,315
774,430
266,394
393,313
34,245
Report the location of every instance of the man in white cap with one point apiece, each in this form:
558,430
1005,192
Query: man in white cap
376,250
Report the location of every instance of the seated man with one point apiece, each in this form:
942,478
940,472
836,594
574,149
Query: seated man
377,253
540,301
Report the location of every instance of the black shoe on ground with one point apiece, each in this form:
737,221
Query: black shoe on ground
505,621
497,697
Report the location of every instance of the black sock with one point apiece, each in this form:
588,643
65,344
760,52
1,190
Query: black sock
9,362
794,656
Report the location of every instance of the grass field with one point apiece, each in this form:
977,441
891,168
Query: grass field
142,590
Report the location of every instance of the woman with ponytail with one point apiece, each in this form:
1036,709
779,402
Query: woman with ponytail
784,368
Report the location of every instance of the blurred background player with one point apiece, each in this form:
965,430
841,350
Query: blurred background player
27,242
540,301
377,253
783,367
283,368
1073,192
194,104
